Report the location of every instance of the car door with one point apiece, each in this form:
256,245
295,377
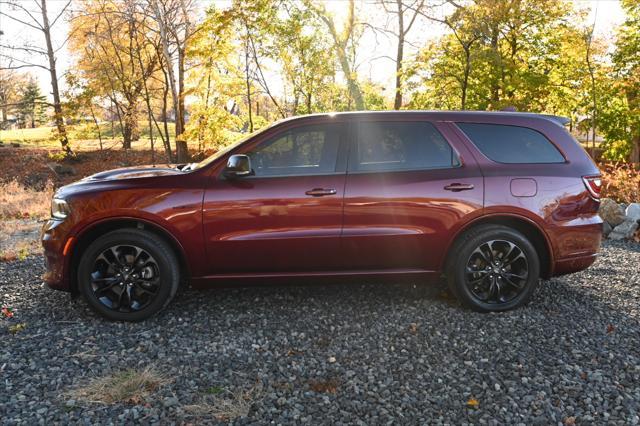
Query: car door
287,217
407,191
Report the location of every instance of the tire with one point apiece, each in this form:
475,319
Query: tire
128,275
487,274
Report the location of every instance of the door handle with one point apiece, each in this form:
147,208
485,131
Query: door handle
320,192
457,187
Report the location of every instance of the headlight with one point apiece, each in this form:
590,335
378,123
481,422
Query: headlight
59,208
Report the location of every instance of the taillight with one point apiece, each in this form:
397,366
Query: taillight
593,184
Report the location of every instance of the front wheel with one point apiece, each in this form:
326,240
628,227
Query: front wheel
128,275
493,268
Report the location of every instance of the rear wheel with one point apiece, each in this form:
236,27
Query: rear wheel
128,275
493,268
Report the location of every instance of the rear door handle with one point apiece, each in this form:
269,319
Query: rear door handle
320,192
457,187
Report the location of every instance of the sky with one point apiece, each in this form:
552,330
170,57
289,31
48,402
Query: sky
372,59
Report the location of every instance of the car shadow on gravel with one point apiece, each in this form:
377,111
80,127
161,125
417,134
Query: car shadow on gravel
336,353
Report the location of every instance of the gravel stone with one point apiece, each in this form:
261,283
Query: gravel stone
406,354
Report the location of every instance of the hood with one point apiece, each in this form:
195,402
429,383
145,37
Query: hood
136,172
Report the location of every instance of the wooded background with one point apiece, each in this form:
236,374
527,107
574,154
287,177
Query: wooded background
190,78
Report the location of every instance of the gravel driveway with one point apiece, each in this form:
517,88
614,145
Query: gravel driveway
333,354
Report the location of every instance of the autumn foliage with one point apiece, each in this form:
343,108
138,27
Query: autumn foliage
621,182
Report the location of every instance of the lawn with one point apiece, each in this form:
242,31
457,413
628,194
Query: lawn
81,136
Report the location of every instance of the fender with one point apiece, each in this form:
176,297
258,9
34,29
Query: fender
81,229
494,214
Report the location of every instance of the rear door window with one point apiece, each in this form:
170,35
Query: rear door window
388,146
511,144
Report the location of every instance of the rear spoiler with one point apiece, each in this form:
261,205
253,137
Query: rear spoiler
563,121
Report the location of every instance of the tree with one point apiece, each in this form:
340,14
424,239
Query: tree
627,62
405,13
217,82
11,84
110,42
31,106
176,29
306,56
342,44
498,53
39,22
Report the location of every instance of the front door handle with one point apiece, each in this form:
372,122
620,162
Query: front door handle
457,187
320,192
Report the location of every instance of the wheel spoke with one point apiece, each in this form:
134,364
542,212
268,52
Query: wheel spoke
512,283
482,254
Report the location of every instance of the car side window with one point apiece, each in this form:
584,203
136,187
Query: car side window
511,144
401,146
306,150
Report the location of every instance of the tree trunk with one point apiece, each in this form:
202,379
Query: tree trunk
246,73
635,150
397,102
182,152
352,83
465,81
57,107
95,122
130,130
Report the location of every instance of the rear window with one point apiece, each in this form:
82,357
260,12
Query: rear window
511,144
401,146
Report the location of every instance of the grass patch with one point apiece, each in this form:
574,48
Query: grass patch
129,386
214,390
43,137
226,405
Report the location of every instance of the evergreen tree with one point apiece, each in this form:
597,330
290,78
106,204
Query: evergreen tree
31,108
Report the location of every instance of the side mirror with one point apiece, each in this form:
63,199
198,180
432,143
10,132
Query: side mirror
238,165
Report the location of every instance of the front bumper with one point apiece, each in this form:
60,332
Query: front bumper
54,238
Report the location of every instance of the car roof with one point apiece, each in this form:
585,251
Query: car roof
441,115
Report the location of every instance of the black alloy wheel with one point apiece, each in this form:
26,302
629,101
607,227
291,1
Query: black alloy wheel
497,271
125,278
128,275
493,268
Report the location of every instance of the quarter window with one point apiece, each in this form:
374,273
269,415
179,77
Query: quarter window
402,146
511,144
302,151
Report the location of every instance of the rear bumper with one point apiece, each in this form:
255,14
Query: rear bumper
54,238
568,266
577,247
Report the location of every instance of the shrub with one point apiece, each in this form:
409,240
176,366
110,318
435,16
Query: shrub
621,182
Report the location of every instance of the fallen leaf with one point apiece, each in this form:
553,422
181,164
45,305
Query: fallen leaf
473,403
610,328
13,329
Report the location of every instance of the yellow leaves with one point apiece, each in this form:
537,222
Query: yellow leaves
473,403
16,328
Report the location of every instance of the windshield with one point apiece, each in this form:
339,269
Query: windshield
222,152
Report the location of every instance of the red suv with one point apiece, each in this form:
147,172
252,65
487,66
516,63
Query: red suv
494,200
